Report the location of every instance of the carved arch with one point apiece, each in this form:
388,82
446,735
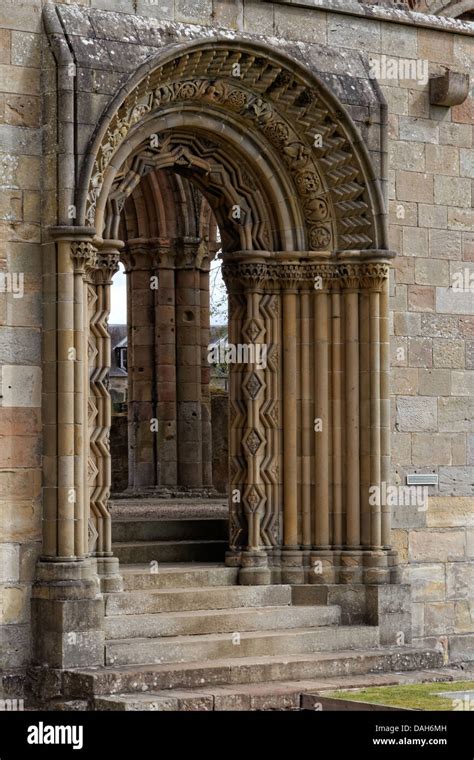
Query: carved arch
325,196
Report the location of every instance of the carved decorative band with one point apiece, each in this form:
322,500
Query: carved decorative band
271,275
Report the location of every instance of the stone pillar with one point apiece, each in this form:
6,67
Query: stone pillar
188,364
292,557
203,265
169,399
307,421
336,416
378,559
101,405
166,449
138,261
366,557
351,557
385,432
67,608
300,510
254,416
322,559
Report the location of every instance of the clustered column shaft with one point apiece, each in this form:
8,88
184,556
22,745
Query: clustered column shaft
170,440
334,437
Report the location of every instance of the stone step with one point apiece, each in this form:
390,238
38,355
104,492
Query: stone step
285,695
93,682
170,551
218,646
212,598
219,621
165,575
143,529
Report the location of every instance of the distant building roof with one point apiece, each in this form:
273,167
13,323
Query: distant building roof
119,339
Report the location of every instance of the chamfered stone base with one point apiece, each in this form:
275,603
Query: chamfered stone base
67,615
297,566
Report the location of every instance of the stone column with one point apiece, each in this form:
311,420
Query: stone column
166,449
313,523
254,475
188,365
290,421
351,557
138,260
67,608
237,471
322,556
385,402
336,416
374,279
100,460
365,402
203,265
307,421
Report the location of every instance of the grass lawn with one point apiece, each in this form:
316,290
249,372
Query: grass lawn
419,695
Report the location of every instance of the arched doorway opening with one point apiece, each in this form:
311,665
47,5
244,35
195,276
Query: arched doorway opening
305,261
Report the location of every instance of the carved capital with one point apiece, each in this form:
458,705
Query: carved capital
349,276
373,275
188,253
360,275
84,255
107,266
321,276
137,258
244,276
289,276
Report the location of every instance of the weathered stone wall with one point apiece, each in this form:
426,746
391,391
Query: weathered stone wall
438,559
20,322
430,172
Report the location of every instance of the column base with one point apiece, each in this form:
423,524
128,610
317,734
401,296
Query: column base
295,566
108,570
350,569
376,567
322,566
292,567
233,558
254,570
67,615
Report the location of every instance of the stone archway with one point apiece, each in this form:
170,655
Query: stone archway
306,265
